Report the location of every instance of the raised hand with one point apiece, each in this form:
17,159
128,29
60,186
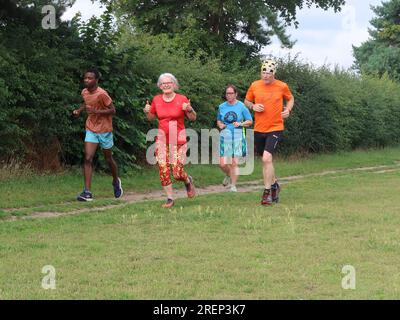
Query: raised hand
76,113
147,107
187,107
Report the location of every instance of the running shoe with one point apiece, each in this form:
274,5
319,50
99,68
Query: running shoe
266,199
233,188
275,189
118,192
190,188
86,195
227,181
168,204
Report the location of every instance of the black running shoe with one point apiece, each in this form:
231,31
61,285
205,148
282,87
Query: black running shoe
118,192
275,189
85,196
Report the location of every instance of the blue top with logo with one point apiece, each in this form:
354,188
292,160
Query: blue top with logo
229,114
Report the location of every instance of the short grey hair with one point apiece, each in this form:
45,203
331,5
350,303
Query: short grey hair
169,75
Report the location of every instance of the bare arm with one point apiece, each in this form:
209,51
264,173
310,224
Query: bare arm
192,115
221,125
77,112
150,116
257,107
248,104
246,123
110,110
189,111
288,108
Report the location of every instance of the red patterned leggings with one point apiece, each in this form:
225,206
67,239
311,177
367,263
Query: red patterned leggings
174,156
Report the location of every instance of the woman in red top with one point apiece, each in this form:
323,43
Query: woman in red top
170,108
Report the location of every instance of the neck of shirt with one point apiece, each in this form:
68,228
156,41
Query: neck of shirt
92,89
169,97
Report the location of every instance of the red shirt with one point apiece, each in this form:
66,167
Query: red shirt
171,119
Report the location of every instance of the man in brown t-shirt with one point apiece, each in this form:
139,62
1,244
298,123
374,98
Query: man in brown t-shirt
100,110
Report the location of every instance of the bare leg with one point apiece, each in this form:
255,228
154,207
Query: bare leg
234,171
111,163
268,170
169,191
224,166
90,150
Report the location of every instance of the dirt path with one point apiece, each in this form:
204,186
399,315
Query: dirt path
247,186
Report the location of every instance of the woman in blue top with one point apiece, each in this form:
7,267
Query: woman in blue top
232,117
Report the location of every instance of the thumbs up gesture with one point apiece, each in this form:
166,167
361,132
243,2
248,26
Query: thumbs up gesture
147,107
187,107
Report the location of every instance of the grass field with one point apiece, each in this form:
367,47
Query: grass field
32,190
220,246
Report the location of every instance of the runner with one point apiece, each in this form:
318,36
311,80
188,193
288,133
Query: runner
100,110
233,117
265,97
170,108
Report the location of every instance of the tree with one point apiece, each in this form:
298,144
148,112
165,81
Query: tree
219,25
37,68
381,53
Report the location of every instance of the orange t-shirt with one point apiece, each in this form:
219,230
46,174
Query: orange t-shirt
271,96
99,99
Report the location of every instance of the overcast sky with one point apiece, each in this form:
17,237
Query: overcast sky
323,37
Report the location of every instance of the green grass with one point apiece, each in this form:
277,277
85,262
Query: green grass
221,246
47,191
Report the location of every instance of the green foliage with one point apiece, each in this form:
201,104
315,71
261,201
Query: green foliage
215,25
313,126
339,110
41,72
381,53
34,90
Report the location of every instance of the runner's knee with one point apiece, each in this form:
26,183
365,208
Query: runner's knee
267,157
224,166
88,159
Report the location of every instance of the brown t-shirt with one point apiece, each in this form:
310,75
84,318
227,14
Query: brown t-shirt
100,100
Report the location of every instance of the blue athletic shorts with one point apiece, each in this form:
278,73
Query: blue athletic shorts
105,140
233,144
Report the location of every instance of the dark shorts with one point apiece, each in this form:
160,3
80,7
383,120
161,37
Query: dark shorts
267,141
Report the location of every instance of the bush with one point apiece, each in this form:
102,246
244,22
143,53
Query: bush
41,70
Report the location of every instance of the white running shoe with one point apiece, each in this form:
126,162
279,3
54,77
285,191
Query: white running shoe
227,181
233,188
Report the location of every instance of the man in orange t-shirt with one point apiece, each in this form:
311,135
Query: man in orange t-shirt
266,98
100,110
